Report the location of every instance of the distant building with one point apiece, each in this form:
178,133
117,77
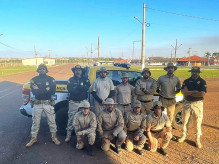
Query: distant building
122,61
192,61
38,61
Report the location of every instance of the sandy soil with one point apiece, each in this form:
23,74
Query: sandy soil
178,152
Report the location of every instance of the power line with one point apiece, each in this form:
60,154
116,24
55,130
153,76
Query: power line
8,46
184,15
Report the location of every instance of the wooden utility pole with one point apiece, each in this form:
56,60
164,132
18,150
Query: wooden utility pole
35,54
143,40
171,59
175,49
189,56
91,51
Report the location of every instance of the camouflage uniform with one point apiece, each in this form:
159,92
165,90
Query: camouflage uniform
135,125
168,85
43,103
111,124
102,89
124,96
156,125
78,89
145,89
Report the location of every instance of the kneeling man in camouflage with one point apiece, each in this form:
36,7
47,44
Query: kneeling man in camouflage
135,124
85,125
155,122
110,126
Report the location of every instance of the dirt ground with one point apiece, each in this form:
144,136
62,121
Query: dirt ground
178,152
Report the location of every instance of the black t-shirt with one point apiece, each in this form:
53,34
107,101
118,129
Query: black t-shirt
195,84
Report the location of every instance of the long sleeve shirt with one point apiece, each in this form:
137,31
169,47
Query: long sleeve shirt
134,123
78,88
107,121
85,123
145,89
43,82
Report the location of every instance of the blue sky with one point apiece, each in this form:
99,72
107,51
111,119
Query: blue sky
68,28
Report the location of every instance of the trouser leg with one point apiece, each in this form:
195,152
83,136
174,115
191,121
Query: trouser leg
141,142
97,107
122,109
186,114
50,115
129,143
73,109
91,138
165,136
36,117
170,112
120,138
105,146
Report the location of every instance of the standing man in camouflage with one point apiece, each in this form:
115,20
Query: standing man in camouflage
110,126
85,125
135,125
194,89
125,94
145,89
158,126
43,87
168,86
102,89
78,87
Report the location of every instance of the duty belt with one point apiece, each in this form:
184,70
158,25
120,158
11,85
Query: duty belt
167,98
48,102
146,101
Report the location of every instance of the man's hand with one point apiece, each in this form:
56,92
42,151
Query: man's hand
110,137
103,102
127,139
48,88
103,140
153,144
35,86
136,138
78,140
79,133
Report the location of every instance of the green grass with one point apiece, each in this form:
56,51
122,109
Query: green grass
182,72
15,70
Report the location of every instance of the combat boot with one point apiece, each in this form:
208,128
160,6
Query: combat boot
90,151
68,138
118,149
31,142
182,139
163,152
55,139
140,152
198,143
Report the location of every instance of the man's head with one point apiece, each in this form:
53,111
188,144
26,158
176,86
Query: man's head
77,70
109,104
137,107
195,71
146,73
125,77
170,68
42,69
85,107
103,72
158,108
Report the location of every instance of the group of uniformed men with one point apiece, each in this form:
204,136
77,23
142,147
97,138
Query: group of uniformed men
135,116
